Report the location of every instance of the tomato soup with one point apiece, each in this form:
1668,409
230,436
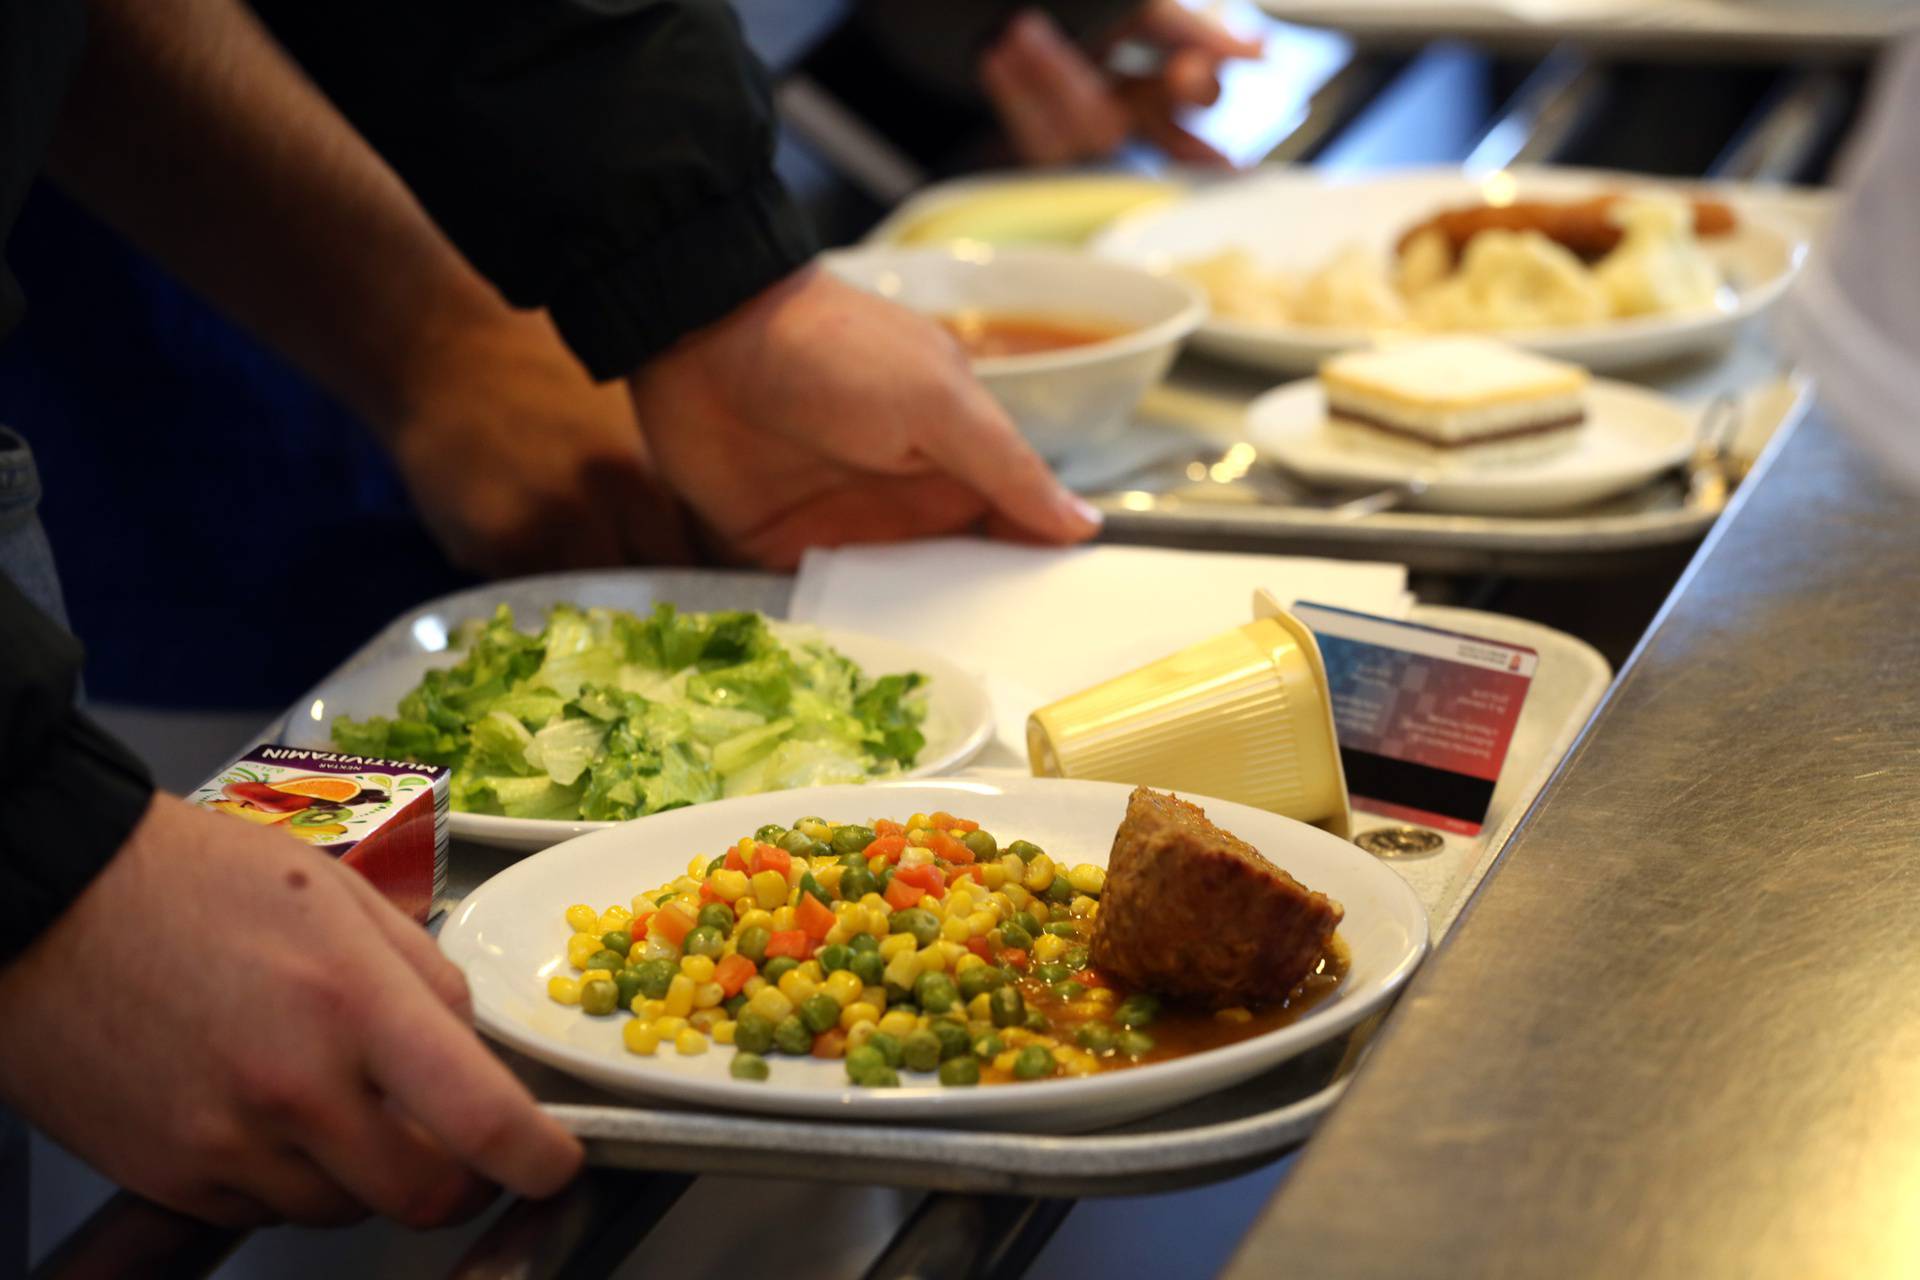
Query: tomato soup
985,333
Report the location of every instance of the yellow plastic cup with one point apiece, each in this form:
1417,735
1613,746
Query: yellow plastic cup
1244,716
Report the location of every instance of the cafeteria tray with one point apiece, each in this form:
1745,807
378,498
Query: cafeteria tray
1201,1141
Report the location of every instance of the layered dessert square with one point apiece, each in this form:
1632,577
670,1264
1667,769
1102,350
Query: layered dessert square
1466,398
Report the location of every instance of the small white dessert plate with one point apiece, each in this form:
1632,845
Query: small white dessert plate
1630,436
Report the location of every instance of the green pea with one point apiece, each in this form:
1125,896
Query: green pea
790,1035
1069,991
1033,1063
795,842
835,956
611,961
983,845
770,834
864,942
599,997
1060,891
619,942
628,983
897,995
1075,958
922,924
753,1032
655,977
1062,928
921,1051
979,980
953,1038
1136,1010
704,941
1052,972
935,992
960,1071
1058,914
851,838
811,820
733,1005
715,916
1025,850
821,1012
1008,1007
1036,1021
880,1078
748,1066
717,864
856,883
1014,936
1027,920
809,885
862,1060
988,1047
868,967
1135,1043
778,967
888,1046
1095,1037
753,942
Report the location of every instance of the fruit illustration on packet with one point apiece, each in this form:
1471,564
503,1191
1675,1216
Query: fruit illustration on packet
313,808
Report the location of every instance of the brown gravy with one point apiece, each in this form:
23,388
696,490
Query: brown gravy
1006,334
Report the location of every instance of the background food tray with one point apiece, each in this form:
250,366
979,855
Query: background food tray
1207,1139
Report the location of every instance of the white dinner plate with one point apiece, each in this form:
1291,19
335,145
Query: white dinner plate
958,724
509,937
1298,221
1631,435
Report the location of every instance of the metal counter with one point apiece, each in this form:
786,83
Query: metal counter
1679,1032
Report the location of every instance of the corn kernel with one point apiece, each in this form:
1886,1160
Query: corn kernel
1083,907
581,917
730,886
876,864
829,877
877,915
770,1004
619,915
1081,1064
699,968
670,1026
690,1042
1086,1008
1049,947
893,946
796,986
857,1012
697,866
636,953
754,986
874,902
782,919
980,924
1087,878
876,996
1102,996
1018,899
1016,1036
707,995
795,871
746,846
649,1009
769,890
860,1032
843,987
658,948
1235,1014
596,975
951,951
897,1024
993,875
644,901
723,1031
813,971
818,830
903,969
706,1019
838,934
640,1038
679,998
1039,874
751,917
919,822
1003,1061
563,989
581,948
955,929
916,854
966,962
980,1008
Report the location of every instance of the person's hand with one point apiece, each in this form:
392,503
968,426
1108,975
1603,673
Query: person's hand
1057,106
519,463
817,414
241,1028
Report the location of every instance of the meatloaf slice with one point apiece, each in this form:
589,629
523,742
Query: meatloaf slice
1194,913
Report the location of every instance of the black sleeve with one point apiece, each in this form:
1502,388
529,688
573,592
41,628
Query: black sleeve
69,794
610,160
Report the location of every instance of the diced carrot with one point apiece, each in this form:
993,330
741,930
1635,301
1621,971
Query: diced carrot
946,847
888,847
928,877
884,828
901,895
1015,956
767,857
789,942
732,972
708,893
831,1043
965,824
672,923
980,947
940,819
1092,977
813,917
734,861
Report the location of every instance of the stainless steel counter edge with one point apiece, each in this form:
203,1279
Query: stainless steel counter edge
1678,1031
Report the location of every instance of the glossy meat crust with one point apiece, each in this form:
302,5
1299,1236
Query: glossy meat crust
1194,913
1586,227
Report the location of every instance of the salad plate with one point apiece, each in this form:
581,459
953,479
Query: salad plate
957,721
509,937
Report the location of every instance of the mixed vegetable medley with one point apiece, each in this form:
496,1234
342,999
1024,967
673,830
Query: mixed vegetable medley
923,947
606,716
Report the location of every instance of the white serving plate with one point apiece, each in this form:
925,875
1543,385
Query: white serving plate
508,936
1631,435
958,724
1297,221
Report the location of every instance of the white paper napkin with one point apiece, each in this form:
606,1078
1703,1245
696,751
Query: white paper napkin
1036,624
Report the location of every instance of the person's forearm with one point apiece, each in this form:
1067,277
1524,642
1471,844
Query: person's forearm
191,131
